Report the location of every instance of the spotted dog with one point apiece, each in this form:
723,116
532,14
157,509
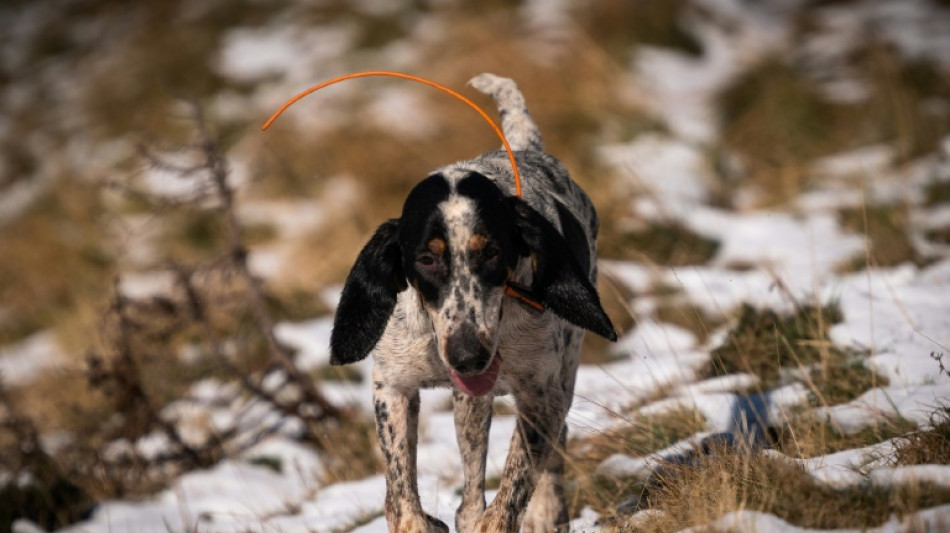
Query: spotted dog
476,289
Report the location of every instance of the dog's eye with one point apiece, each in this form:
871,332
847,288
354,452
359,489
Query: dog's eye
490,253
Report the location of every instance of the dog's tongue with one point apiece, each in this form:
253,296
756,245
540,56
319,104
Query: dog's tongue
481,384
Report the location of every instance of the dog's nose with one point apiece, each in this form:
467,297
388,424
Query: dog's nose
465,352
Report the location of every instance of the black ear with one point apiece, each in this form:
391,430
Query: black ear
560,281
369,296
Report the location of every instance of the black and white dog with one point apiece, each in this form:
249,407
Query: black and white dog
476,289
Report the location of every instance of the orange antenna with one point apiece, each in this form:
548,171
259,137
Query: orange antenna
480,111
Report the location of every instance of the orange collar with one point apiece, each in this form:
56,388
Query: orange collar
524,296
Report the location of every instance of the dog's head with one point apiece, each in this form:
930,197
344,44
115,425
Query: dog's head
458,243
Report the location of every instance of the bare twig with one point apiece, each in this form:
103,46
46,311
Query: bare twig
217,165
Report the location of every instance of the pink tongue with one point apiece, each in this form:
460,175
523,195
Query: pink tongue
481,384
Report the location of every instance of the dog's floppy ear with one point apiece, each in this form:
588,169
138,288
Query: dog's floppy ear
369,296
561,282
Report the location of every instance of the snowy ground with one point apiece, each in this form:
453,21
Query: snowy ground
900,314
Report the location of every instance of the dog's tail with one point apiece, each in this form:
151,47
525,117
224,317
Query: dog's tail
516,122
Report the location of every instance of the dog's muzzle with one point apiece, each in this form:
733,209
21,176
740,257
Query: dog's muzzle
472,367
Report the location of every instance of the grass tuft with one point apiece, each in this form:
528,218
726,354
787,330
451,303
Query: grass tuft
842,379
929,446
727,482
778,123
887,228
764,342
664,243
619,26
778,120
54,260
642,436
687,316
356,450
807,435
937,193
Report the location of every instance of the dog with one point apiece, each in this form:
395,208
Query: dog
479,290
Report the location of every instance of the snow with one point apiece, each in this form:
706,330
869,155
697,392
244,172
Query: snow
402,111
674,173
310,339
285,51
681,88
29,358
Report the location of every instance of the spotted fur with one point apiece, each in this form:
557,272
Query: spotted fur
426,298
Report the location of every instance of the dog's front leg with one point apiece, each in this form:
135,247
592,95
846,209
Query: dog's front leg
540,420
472,423
547,512
397,424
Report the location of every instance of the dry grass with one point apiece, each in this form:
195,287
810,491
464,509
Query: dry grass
841,379
778,121
764,342
356,450
669,244
887,228
721,483
806,435
347,374
929,446
794,347
620,26
937,193
133,85
55,263
642,436
689,317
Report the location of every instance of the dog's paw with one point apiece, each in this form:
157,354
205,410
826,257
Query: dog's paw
546,520
495,519
467,516
419,524
546,511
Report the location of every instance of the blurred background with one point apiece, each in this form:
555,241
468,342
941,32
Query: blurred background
153,238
